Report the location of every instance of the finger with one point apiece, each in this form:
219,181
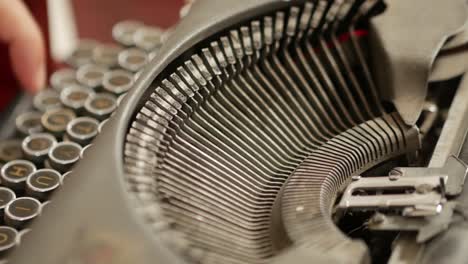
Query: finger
23,36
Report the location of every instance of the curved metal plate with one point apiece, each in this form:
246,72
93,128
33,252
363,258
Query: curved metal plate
405,41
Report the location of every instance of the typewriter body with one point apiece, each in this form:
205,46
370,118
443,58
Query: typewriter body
255,132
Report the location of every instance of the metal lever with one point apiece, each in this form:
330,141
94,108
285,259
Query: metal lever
412,196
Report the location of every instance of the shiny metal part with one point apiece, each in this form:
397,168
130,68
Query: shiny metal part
63,155
133,59
6,195
46,99
14,173
63,78
29,123
91,75
106,55
117,81
74,96
82,130
9,239
403,64
41,183
20,211
101,105
148,38
404,193
56,120
10,150
123,32
83,53
36,147
239,136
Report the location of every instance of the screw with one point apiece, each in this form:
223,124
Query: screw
424,188
378,218
395,174
356,177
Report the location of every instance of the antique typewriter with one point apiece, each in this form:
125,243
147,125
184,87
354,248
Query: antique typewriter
325,131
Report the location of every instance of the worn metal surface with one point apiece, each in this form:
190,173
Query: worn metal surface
404,48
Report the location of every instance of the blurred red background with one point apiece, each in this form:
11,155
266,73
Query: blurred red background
94,20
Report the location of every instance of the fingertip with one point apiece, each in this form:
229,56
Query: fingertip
26,44
29,64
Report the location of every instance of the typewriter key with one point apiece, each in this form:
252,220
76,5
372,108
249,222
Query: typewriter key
133,59
124,31
117,81
64,155
101,105
91,75
41,183
82,130
148,38
56,120
74,96
63,78
6,195
29,123
8,239
36,147
14,173
106,55
19,212
83,54
10,150
46,99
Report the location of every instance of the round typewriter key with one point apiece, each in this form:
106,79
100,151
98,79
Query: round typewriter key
56,120
117,81
101,105
133,59
82,130
83,54
62,78
46,99
123,31
8,239
19,212
29,123
148,38
64,155
106,55
41,183
14,173
10,150
74,96
6,195
36,147
91,75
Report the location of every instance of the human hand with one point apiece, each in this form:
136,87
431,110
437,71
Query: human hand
26,44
